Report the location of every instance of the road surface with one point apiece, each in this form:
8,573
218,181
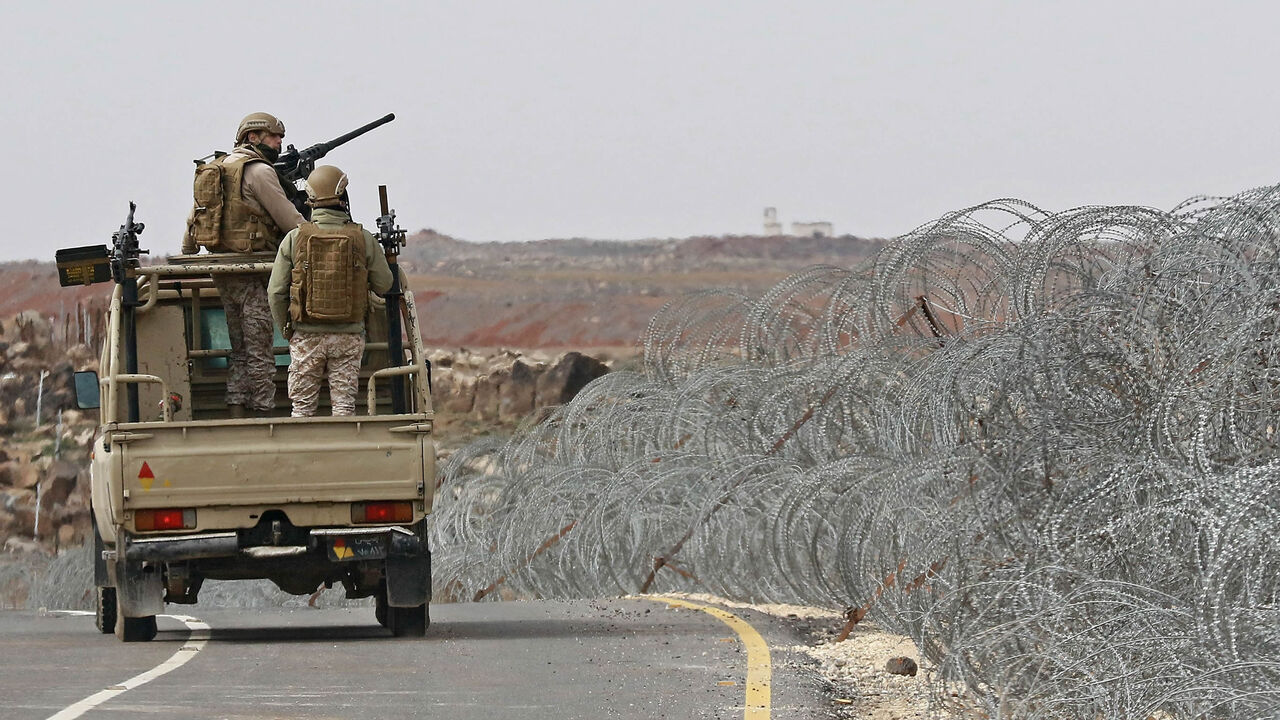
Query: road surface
624,658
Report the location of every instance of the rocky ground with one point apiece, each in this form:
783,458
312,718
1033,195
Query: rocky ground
44,440
866,673
479,394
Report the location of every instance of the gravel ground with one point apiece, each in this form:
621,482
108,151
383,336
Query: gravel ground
855,668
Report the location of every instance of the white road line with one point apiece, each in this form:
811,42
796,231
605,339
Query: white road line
195,642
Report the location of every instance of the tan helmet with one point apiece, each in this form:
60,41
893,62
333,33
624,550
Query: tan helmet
325,186
258,122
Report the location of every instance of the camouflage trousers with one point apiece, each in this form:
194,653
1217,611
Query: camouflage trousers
251,369
310,355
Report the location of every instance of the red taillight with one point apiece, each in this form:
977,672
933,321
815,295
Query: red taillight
167,519
382,512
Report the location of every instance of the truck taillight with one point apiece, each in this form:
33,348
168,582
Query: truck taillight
382,512
166,519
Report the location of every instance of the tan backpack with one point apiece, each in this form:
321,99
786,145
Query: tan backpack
330,280
221,221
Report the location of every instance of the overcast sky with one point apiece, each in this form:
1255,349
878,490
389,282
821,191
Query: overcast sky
522,120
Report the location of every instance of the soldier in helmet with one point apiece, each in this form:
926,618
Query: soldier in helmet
319,293
252,214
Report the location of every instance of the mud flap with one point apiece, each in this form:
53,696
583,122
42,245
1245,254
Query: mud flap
139,589
101,578
408,579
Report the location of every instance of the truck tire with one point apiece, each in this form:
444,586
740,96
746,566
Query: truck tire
380,608
105,615
409,621
141,629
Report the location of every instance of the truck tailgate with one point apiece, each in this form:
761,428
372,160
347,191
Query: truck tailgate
274,461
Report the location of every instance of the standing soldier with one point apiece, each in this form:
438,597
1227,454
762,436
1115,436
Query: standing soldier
319,293
240,207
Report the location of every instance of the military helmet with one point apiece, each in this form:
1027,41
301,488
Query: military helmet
326,185
258,122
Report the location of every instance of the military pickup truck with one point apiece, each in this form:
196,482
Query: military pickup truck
182,492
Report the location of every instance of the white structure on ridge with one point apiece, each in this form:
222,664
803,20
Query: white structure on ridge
812,229
771,225
799,229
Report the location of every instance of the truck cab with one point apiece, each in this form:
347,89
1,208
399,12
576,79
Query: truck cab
183,492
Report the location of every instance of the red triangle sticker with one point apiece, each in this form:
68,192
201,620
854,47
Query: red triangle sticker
145,472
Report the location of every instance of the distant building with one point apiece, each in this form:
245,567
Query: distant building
812,229
771,225
799,229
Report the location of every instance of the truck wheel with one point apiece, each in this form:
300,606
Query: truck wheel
380,609
105,615
409,621
142,629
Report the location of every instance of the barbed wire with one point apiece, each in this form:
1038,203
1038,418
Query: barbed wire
1043,445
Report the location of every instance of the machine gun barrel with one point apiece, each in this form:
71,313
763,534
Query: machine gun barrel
296,164
347,137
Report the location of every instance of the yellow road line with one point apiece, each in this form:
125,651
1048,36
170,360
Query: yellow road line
759,670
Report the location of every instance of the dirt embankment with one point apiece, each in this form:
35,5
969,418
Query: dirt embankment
547,294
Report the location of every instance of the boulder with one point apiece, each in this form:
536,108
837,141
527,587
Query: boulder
18,545
68,536
59,389
516,396
502,360
488,393
33,328
60,480
453,393
566,378
901,666
24,519
18,474
82,357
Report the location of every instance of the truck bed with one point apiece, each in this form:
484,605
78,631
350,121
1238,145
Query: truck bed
231,470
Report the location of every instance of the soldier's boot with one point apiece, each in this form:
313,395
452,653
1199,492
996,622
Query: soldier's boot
237,411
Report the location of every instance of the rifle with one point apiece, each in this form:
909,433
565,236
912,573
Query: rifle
124,247
392,239
294,164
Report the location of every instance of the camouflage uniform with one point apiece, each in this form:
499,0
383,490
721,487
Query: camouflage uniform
315,347
251,368
310,354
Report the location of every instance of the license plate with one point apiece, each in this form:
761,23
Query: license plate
357,547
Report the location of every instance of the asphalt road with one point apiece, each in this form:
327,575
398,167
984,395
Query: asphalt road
627,658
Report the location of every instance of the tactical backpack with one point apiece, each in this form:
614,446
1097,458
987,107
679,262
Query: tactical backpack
221,221
330,280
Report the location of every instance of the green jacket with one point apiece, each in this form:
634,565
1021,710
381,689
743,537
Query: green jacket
282,273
